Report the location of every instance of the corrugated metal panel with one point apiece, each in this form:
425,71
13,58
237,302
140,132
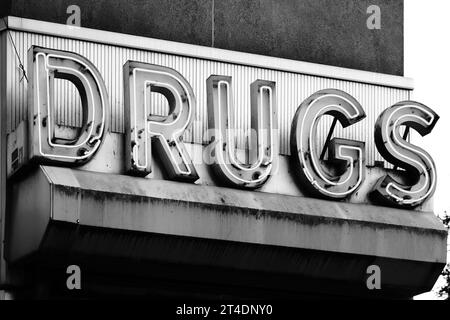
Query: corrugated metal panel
292,89
69,110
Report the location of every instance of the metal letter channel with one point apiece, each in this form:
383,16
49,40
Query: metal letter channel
141,79
418,164
344,171
46,65
263,146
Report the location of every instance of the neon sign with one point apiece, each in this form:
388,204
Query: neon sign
140,80
403,154
313,174
48,65
336,178
264,123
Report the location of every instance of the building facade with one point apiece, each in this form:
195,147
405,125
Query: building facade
202,149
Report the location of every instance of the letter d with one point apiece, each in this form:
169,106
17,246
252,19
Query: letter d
46,65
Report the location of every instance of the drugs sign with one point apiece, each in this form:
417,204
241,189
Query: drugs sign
336,178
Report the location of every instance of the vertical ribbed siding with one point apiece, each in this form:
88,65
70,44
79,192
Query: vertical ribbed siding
3,152
292,89
68,104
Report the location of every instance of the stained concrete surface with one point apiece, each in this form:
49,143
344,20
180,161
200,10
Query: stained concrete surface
322,31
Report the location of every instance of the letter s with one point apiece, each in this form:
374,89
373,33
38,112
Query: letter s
401,153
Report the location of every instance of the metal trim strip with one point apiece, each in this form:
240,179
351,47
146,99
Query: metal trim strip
195,51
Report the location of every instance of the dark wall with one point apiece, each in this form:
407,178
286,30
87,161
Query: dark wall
330,32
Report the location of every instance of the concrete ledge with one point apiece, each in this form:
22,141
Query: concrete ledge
324,246
224,269
172,208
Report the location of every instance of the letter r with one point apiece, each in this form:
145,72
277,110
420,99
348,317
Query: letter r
142,127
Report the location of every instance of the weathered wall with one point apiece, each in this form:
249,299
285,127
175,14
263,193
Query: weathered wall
321,31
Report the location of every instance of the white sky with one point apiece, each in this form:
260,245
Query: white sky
427,61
